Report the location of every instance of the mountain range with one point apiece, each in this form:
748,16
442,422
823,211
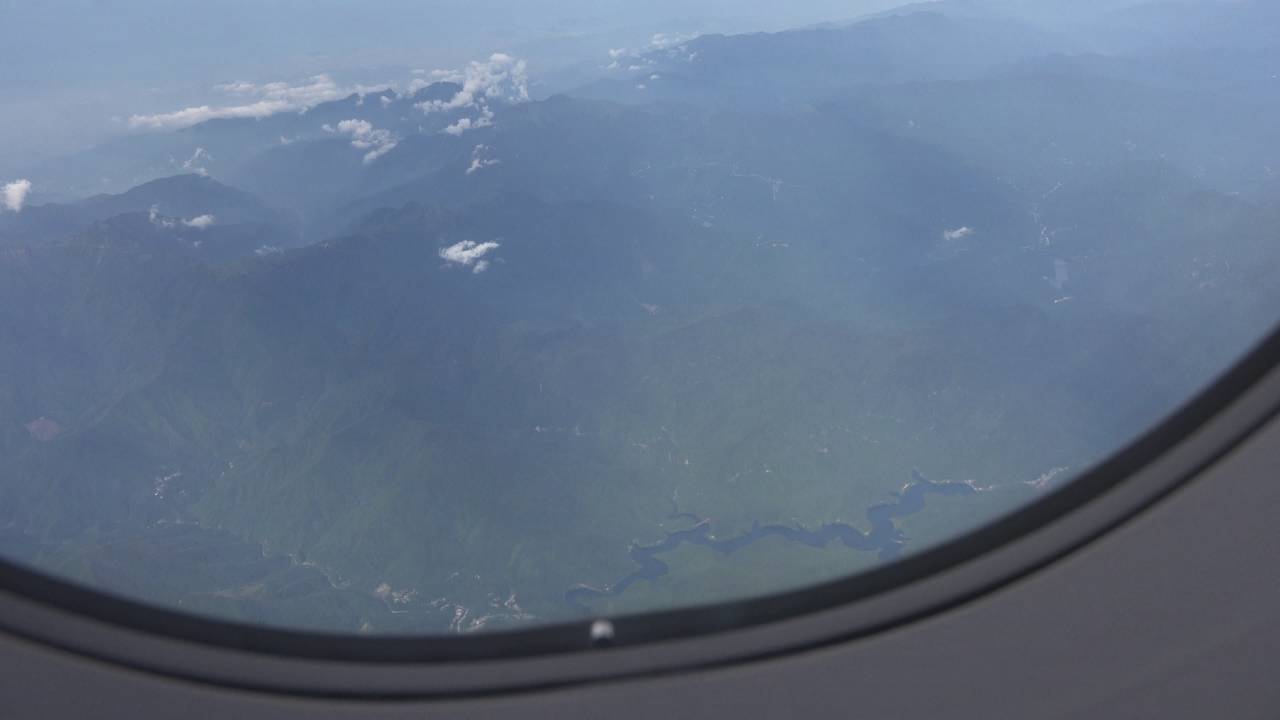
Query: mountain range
430,380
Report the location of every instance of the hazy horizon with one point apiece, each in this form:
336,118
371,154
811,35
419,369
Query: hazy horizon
76,69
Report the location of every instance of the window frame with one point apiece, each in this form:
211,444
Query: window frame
136,635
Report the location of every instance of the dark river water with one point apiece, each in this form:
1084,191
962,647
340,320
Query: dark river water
883,538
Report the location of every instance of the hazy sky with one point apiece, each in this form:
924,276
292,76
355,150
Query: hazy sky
71,66
73,71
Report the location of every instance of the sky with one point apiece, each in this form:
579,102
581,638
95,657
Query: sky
74,71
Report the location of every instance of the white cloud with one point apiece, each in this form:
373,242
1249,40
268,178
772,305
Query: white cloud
433,77
378,152
157,219
465,124
358,129
196,115
455,76
501,78
268,250
200,222
662,41
197,158
15,194
317,89
265,100
364,136
670,44
959,233
196,162
480,159
469,253
386,100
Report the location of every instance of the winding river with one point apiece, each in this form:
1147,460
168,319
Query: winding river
884,538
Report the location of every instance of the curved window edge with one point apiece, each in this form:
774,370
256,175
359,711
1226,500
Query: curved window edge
129,633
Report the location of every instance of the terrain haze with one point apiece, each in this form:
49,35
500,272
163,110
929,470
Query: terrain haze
452,317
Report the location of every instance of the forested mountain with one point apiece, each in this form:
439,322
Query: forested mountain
412,373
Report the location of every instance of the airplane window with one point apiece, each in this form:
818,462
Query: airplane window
440,318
